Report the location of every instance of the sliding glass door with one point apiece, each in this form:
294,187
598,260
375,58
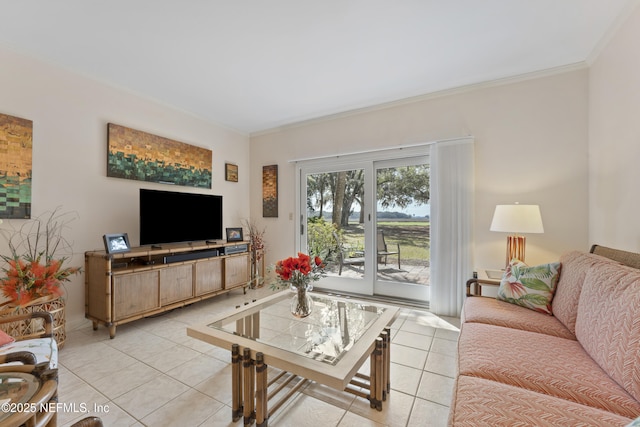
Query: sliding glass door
332,223
402,228
369,217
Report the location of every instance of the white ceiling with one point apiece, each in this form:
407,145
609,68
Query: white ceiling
255,65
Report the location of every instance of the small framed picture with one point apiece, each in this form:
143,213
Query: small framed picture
116,243
234,235
231,172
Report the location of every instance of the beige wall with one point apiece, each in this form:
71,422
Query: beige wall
614,140
70,115
531,147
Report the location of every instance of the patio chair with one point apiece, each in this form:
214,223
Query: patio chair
343,255
384,251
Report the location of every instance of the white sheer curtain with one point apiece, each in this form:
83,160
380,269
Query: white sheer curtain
452,191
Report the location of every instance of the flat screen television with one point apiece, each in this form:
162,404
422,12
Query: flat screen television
171,217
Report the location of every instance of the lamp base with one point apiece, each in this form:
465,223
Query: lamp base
515,248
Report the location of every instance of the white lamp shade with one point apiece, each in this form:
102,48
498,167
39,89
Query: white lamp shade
517,219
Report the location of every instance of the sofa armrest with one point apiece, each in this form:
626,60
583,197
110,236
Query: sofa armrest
630,259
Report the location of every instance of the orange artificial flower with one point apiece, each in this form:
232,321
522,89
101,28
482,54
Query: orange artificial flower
28,279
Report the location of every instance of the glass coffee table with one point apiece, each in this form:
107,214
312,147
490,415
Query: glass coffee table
27,394
328,347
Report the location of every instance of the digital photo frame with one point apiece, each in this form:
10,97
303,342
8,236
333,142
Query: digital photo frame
234,234
116,243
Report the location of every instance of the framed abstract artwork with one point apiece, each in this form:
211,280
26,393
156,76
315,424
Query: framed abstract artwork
133,154
270,191
16,146
231,172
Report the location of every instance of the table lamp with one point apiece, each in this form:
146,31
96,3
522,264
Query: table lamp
517,219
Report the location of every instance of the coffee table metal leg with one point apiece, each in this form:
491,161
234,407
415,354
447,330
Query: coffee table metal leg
248,325
249,387
379,372
372,379
387,362
255,333
376,379
262,412
240,324
236,383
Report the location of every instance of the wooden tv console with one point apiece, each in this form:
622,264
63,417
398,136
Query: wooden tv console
149,280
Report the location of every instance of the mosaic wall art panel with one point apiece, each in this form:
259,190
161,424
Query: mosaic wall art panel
138,155
16,145
270,191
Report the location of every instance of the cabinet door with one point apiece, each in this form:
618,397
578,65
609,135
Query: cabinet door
208,276
176,283
236,271
134,294
98,288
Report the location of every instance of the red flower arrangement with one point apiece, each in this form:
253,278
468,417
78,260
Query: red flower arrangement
299,272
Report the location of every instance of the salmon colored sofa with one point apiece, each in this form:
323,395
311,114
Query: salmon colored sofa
577,367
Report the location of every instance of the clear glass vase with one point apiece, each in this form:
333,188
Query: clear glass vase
301,303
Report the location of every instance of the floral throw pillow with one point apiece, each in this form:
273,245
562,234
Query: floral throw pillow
530,287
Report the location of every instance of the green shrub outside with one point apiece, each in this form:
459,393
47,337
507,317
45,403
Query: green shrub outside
321,239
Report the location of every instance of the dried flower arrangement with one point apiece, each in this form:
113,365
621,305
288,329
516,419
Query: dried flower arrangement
256,239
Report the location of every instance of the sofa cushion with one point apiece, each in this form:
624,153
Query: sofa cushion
501,313
479,402
574,267
608,323
529,287
542,363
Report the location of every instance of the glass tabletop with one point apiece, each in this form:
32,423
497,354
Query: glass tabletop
16,388
333,327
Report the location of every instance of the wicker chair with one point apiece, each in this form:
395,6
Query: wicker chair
23,357
89,422
33,333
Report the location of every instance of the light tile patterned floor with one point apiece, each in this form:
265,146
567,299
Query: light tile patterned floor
153,374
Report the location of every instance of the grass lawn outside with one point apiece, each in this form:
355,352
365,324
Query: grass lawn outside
413,237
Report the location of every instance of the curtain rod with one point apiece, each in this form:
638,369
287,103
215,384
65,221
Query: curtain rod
376,150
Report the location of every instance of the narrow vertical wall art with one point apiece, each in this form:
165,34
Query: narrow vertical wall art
16,145
270,191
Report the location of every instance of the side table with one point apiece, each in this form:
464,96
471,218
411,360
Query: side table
483,277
